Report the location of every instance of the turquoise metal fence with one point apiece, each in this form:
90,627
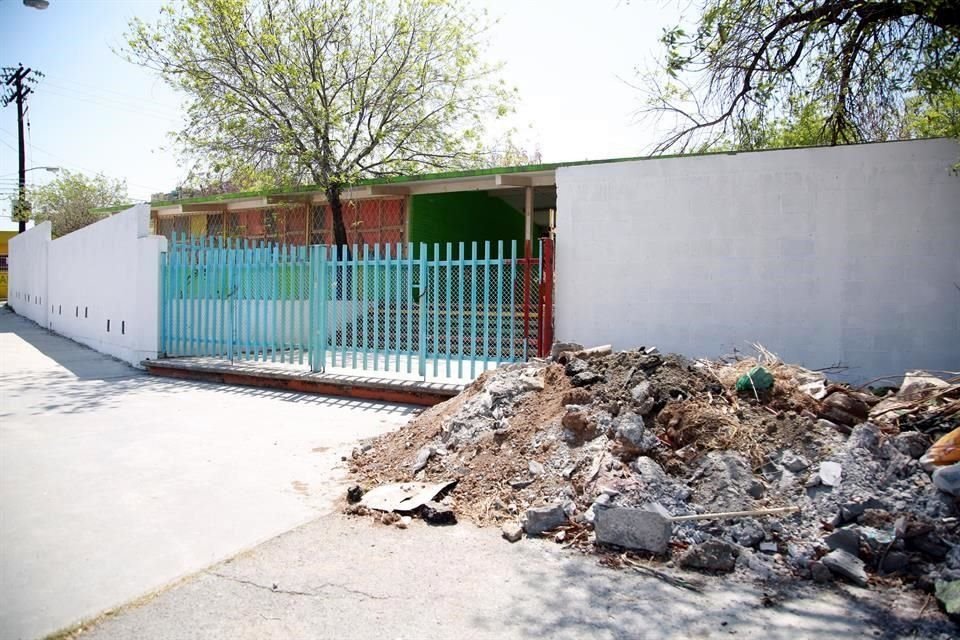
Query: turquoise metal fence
446,310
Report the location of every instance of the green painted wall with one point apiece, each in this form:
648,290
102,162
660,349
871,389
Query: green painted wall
465,216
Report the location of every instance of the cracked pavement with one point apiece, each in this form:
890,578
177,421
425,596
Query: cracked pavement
346,578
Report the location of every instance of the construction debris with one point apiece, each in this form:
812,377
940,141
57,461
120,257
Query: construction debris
846,564
404,496
646,529
438,514
638,450
512,532
539,520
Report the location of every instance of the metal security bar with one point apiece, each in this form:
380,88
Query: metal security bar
235,299
444,309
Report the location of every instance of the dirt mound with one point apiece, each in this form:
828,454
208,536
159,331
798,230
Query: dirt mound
598,431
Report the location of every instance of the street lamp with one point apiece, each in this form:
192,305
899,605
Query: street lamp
50,169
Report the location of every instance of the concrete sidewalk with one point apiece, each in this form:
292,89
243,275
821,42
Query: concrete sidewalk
114,483
349,579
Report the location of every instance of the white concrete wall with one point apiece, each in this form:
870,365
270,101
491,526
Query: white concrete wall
102,283
27,264
834,255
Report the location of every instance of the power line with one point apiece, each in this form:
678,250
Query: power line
102,90
137,102
132,109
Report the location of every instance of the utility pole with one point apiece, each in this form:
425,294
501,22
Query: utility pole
16,79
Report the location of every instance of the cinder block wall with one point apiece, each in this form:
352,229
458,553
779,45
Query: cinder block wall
99,285
846,255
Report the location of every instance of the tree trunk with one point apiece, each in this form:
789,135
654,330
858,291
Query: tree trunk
336,211
340,248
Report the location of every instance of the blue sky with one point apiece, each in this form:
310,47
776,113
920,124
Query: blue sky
94,112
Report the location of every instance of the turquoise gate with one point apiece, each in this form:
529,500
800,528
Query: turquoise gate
445,309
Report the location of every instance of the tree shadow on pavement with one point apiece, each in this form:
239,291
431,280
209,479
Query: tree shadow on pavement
81,379
580,599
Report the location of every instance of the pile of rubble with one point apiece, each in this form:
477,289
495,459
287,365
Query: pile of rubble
751,465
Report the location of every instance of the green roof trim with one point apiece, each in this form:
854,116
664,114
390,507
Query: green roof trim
469,173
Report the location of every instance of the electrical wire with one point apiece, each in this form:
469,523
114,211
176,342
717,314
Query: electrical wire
79,85
113,106
138,102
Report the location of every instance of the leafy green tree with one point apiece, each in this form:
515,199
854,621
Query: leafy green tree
933,116
747,62
325,91
68,200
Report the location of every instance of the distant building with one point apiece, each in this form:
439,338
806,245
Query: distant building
4,252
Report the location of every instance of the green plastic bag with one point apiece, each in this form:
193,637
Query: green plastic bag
762,380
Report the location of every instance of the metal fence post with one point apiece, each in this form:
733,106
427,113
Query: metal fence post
423,289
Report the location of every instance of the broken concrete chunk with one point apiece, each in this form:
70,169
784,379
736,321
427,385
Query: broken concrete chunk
586,379
575,367
535,468
631,528
512,532
830,473
864,436
439,514
746,533
771,471
850,511
793,462
895,561
643,397
768,547
423,457
633,436
820,573
648,469
912,443
563,347
538,520
929,544
725,481
846,539
520,483
846,565
712,555
641,392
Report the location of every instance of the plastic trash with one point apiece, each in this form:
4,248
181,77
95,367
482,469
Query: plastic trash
760,377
